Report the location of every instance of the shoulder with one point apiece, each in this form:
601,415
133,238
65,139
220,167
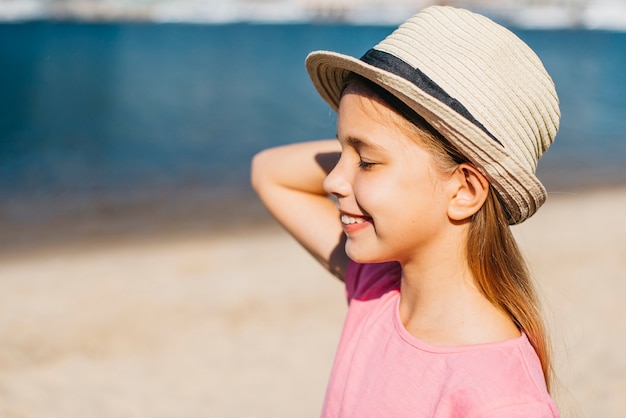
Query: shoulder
371,281
530,409
501,380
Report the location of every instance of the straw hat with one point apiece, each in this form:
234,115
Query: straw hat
475,82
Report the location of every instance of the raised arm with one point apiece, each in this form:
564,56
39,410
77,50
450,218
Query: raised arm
288,180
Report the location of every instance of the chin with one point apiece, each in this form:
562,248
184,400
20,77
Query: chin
364,256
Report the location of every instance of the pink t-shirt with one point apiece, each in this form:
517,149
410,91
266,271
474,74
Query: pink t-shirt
382,371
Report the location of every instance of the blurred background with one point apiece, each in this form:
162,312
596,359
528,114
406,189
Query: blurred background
133,281
139,117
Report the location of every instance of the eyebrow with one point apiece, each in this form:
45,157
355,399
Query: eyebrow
359,144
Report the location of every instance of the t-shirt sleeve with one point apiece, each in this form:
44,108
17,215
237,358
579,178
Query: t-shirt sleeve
370,281
525,410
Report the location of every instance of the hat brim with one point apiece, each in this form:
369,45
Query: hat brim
328,71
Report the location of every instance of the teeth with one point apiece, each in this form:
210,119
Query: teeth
345,219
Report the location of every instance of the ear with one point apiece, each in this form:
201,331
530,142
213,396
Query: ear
469,192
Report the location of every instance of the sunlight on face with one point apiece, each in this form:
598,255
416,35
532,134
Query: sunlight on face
388,187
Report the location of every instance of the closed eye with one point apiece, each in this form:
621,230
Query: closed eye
365,165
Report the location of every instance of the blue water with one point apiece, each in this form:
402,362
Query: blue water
118,109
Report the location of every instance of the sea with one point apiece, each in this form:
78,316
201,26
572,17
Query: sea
101,121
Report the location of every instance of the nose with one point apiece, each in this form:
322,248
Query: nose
336,182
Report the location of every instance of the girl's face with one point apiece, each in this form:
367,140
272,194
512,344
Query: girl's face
390,194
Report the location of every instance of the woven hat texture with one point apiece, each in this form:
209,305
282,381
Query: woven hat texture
475,82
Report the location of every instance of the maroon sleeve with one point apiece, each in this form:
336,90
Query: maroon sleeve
371,281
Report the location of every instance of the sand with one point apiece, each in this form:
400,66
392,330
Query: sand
246,323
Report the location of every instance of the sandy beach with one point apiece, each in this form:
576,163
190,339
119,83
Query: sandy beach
245,323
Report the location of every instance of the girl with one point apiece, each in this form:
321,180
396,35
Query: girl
439,130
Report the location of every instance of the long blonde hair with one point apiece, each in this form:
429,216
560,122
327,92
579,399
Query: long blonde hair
493,257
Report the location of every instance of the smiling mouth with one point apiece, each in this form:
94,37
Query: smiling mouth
351,220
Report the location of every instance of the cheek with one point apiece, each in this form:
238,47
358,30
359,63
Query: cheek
375,194
400,199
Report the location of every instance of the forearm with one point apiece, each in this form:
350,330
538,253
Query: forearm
300,167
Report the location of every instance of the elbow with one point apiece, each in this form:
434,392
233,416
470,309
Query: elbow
258,170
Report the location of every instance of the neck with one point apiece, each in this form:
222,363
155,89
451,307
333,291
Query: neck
441,305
